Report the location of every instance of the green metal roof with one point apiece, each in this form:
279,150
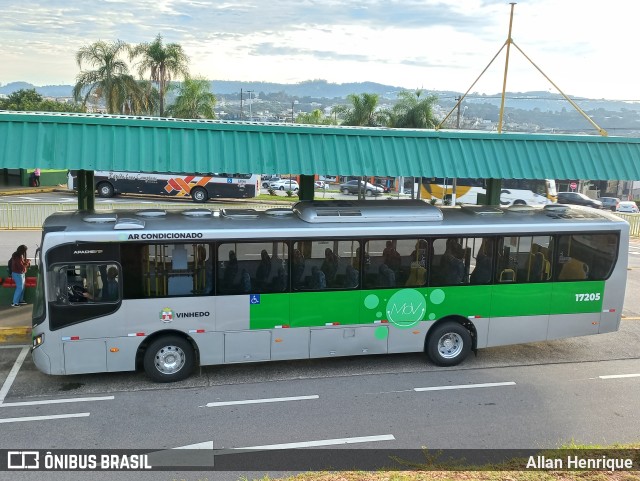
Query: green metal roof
101,142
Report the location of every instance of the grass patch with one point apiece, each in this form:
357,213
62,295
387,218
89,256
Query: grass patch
435,469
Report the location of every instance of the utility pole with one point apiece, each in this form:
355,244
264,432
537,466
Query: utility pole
458,100
292,104
241,113
250,92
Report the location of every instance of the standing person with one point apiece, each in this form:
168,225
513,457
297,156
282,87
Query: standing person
19,266
36,177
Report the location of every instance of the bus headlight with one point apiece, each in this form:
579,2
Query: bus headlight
38,340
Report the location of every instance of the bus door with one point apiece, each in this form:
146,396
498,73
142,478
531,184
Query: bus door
521,299
82,285
253,301
325,298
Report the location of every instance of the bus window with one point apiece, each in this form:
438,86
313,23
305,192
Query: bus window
586,256
325,264
452,260
161,270
524,259
79,292
396,263
252,267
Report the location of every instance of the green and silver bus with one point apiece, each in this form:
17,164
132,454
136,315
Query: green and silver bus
167,291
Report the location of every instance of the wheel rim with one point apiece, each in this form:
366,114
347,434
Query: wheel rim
369,193
345,192
198,195
450,345
170,359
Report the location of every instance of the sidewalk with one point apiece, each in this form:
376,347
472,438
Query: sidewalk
15,324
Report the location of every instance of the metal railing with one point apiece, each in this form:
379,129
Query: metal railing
24,215
634,223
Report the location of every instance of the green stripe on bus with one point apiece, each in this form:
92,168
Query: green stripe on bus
406,307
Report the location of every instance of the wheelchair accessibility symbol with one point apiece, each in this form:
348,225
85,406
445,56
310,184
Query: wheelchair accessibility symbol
229,180
254,299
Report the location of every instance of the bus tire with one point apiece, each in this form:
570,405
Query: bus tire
105,189
199,195
448,344
169,359
519,202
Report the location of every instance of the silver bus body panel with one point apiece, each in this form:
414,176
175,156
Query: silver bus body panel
514,330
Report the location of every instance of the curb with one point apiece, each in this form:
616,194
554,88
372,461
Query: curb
15,335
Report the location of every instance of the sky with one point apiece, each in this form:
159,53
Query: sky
588,48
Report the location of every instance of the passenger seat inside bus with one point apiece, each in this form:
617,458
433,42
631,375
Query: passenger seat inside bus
574,270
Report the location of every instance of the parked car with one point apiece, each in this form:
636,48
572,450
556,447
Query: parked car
577,198
610,203
383,187
266,181
628,206
321,184
284,184
509,197
353,186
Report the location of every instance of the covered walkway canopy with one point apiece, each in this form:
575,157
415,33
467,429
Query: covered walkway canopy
102,142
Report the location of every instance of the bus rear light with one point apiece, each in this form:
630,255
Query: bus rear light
38,340
136,334
196,331
71,338
114,349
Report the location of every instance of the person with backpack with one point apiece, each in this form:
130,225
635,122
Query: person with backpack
18,266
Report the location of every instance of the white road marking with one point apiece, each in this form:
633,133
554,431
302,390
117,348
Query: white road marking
259,401
464,386
13,373
43,418
619,376
32,199
58,401
322,442
205,445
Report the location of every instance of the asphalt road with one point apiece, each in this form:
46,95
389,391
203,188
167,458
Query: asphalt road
537,396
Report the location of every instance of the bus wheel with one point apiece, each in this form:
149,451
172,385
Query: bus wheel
169,359
448,344
519,202
105,189
199,195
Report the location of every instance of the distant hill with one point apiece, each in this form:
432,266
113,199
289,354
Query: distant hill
535,100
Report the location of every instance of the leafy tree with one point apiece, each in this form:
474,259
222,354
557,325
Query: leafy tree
30,100
194,100
315,117
110,80
362,112
412,112
163,62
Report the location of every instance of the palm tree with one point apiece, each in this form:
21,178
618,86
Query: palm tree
110,80
412,112
164,62
315,117
362,111
194,100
